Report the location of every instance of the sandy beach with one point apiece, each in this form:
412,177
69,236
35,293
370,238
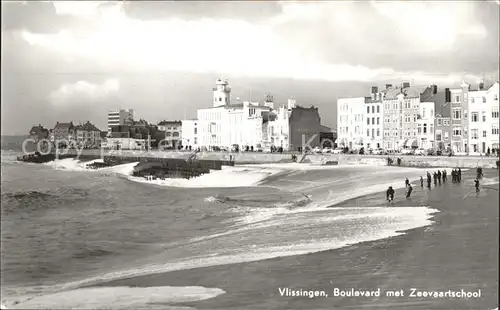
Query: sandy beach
459,251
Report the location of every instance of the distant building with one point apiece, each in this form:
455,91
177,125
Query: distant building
458,98
492,140
120,117
351,122
39,133
88,136
374,120
442,121
64,133
173,133
190,133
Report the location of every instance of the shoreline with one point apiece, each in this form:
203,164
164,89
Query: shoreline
459,250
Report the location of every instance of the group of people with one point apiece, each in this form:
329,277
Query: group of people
438,177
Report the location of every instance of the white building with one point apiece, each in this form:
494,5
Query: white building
190,133
493,117
478,121
120,117
425,125
226,124
278,126
350,122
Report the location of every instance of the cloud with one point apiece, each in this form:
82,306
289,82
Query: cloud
331,41
83,92
77,8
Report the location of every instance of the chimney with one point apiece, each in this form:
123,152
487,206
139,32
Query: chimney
406,84
387,86
447,95
374,89
434,89
481,86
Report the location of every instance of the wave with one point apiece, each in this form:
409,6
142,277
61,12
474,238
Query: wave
119,298
71,164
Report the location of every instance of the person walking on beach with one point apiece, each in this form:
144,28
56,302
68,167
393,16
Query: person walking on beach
408,191
459,175
444,175
439,176
476,185
429,179
435,176
421,182
479,172
390,194
407,182
454,176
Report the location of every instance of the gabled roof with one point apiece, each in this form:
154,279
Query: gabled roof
88,126
64,125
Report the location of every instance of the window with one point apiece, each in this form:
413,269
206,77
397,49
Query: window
457,98
471,99
484,116
378,120
425,129
220,99
423,113
378,109
439,121
367,110
431,128
484,133
367,121
373,120
378,132
414,118
373,109
446,136
419,129
474,134
465,114
373,132
195,130
474,117
368,132
494,114
438,135
494,131
432,112
457,131
484,99
456,114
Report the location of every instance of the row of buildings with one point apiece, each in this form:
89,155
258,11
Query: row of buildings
462,119
84,135
241,125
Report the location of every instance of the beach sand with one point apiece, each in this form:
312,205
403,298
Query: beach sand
459,251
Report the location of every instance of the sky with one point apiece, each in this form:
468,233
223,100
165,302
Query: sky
65,61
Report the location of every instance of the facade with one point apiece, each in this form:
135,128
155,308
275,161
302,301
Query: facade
88,136
173,133
351,122
39,133
425,125
119,117
442,122
190,133
478,121
393,120
493,113
64,133
304,127
374,120
458,98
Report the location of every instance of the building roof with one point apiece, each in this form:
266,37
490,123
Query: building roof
64,125
35,130
88,126
163,123
441,106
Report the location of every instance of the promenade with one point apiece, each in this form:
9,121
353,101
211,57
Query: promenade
262,158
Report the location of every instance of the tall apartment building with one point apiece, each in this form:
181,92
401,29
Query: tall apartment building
374,120
393,120
483,119
458,99
351,122
119,118
442,121
173,133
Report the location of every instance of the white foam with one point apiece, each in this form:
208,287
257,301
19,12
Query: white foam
118,297
70,164
240,176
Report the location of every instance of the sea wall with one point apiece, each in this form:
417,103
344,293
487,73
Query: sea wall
264,158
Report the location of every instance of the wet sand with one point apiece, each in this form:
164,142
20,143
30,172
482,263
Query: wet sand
459,251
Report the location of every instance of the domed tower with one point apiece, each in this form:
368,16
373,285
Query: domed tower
222,93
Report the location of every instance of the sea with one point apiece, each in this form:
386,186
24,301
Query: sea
65,227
